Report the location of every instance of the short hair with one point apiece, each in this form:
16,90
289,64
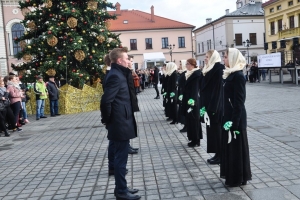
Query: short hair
116,53
11,77
107,60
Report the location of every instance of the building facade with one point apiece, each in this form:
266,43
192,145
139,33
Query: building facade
149,37
282,24
242,29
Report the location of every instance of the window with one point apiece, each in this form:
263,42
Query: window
279,25
199,47
279,7
17,30
181,42
202,47
133,45
238,39
271,10
292,22
272,28
164,42
148,43
290,3
208,44
253,38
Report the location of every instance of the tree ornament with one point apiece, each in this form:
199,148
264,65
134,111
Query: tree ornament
52,41
25,11
27,57
49,3
101,38
92,5
72,22
51,72
31,25
23,44
79,55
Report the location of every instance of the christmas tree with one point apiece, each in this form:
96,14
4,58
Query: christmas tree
69,38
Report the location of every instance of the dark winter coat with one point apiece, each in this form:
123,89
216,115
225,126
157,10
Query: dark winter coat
52,91
234,101
156,76
191,91
171,103
211,93
180,89
116,105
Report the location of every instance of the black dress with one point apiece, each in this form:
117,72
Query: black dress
172,101
180,89
164,91
191,91
211,94
235,160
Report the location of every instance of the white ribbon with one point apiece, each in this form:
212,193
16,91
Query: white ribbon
229,136
206,119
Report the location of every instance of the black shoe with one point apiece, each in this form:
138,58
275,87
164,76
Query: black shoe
127,196
112,172
6,134
43,116
169,119
57,114
194,144
135,149
183,130
215,161
17,129
157,97
212,158
173,122
53,115
130,190
131,151
37,118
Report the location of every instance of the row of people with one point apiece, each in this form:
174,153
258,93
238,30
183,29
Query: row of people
215,96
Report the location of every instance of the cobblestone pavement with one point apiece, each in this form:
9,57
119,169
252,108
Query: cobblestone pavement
66,157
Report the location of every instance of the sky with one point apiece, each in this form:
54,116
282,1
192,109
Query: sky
192,12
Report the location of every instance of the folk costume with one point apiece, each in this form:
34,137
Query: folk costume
235,160
172,91
180,90
211,93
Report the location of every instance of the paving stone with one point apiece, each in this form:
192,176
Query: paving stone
295,189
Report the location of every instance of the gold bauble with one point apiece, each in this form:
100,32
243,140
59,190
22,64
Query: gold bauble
72,22
100,38
25,11
49,3
29,47
93,51
92,5
79,55
27,57
52,41
51,72
31,25
23,44
108,45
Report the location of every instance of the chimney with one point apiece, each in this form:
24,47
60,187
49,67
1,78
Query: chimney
152,13
227,11
208,20
118,8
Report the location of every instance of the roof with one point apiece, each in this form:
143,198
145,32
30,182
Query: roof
269,3
138,20
248,10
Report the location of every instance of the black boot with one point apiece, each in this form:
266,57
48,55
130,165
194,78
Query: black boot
194,143
6,133
216,160
216,155
183,130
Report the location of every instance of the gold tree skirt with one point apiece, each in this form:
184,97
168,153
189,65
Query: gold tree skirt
71,100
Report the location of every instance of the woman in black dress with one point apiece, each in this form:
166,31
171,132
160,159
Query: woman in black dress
211,94
180,89
172,91
190,103
235,160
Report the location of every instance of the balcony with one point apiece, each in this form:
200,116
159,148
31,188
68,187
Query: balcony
288,33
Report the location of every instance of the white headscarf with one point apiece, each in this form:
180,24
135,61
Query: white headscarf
215,57
190,72
236,62
170,68
183,66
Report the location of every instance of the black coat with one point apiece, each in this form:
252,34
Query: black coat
171,103
211,93
52,91
235,159
117,105
191,91
156,76
180,89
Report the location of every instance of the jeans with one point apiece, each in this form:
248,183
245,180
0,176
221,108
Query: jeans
24,110
40,104
120,162
53,107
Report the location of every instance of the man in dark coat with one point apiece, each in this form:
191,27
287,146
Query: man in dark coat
155,81
53,96
118,117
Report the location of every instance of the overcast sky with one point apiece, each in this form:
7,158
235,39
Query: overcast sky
193,12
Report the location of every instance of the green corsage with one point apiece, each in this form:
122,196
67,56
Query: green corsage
172,94
180,97
202,111
191,102
227,125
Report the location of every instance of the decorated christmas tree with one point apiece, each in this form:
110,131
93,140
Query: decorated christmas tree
66,38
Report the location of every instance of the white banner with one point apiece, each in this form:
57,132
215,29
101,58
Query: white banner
269,60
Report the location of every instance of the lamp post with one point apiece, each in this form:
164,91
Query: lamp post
171,47
247,44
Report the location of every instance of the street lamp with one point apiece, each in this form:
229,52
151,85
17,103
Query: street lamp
171,47
247,44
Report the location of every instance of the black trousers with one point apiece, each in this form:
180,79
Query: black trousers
9,117
16,107
156,89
